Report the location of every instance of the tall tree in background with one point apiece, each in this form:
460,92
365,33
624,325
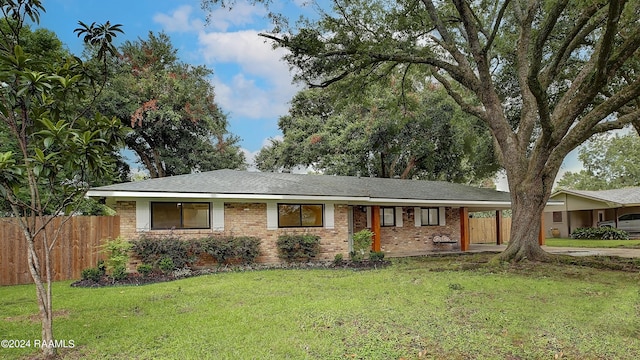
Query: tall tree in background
52,151
177,126
545,75
610,162
421,135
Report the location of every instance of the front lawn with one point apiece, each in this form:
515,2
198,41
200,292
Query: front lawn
632,244
445,307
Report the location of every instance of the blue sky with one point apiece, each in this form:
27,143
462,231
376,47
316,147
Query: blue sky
252,84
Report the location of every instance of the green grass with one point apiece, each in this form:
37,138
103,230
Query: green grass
632,244
448,307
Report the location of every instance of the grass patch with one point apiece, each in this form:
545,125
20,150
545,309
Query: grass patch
444,307
631,244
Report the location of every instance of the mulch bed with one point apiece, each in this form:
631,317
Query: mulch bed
135,279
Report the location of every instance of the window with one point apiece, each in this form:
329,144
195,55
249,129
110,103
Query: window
430,216
180,215
298,215
387,216
557,216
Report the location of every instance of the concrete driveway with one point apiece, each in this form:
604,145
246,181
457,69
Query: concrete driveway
621,252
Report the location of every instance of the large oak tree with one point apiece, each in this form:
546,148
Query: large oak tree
177,126
421,135
546,74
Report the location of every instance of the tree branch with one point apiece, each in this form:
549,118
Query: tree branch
496,26
468,108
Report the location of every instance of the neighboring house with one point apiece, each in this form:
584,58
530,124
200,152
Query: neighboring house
582,208
406,216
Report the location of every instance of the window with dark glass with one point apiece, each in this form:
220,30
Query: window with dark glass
300,215
387,216
557,216
180,215
430,216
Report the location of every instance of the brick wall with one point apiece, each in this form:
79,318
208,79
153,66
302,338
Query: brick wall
250,219
127,212
409,238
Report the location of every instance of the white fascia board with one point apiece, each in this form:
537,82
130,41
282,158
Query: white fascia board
449,203
351,200
230,197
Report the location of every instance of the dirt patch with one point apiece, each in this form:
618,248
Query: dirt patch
35,318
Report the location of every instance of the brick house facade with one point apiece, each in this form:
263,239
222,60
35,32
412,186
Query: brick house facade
407,217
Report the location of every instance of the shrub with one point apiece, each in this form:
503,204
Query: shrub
119,272
145,269
602,233
361,244
248,248
226,249
151,250
376,256
222,248
338,259
166,265
117,252
93,273
298,248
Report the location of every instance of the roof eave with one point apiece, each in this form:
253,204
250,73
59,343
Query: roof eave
355,200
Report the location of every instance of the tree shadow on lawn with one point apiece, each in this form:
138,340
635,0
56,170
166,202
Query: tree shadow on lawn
486,261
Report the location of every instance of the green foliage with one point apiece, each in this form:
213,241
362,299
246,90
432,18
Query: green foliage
93,273
166,264
610,162
248,248
226,249
376,256
361,244
145,269
152,249
602,233
117,253
338,259
298,247
426,136
222,248
177,126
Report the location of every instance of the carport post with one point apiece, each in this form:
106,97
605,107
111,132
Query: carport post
464,229
498,227
375,227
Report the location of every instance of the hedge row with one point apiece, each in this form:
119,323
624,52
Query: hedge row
603,233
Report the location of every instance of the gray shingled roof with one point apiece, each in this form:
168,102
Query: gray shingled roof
624,196
263,183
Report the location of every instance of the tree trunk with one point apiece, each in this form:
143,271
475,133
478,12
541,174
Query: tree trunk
43,295
528,200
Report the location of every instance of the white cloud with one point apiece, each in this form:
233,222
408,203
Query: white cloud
263,88
241,14
248,49
242,97
179,20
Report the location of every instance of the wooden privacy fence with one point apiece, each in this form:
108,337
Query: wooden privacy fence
483,230
75,249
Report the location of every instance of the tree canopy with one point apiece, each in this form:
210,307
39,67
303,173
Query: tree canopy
544,75
610,162
423,135
177,126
